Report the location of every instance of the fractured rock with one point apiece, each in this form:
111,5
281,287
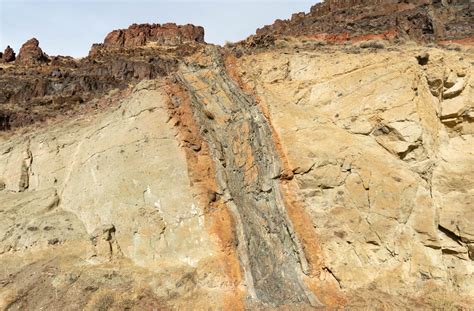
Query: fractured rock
166,34
31,54
455,90
455,107
105,244
344,20
278,177
8,55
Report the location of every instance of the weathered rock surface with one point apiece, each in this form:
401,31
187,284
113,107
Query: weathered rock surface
142,34
66,86
385,176
343,20
8,55
118,189
279,173
31,54
239,137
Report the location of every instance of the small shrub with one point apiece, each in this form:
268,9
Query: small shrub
101,302
229,44
372,44
281,44
454,47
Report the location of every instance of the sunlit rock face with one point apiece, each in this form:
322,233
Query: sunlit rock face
30,53
167,34
283,172
341,20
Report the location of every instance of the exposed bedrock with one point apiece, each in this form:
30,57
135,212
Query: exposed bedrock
248,173
110,198
280,173
343,20
8,55
31,54
381,149
138,35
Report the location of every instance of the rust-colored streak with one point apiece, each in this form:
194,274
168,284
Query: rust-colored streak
344,37
326,290
202,174
464,41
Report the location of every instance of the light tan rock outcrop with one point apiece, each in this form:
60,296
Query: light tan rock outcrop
293,178
116,187
385,175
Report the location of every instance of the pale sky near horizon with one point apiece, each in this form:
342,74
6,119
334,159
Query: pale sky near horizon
70,27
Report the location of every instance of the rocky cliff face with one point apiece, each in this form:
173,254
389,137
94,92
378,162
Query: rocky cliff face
343,20
31,53
141,35
165,173
8,55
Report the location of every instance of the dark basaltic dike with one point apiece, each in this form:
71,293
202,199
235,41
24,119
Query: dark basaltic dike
248,168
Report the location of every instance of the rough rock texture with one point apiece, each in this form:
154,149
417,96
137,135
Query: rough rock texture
8,55
385,174
66,86
117,188
342,20
31,54
280,173
143,34
247,173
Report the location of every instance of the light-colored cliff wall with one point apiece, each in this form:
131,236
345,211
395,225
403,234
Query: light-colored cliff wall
292,178
382,151
116,188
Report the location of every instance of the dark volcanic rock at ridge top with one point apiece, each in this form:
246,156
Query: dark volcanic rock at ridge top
30,53
33,92
342,20
141,34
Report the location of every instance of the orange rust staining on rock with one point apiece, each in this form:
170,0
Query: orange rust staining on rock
202,174
345,37
387,35
342,37
326,290
464,41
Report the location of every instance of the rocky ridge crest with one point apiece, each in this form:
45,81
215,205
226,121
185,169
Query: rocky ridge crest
345,20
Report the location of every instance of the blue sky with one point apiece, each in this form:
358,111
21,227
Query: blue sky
69,27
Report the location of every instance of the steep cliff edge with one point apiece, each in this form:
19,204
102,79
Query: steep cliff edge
343,20
281,173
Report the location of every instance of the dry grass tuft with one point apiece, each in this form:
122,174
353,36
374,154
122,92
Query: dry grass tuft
372,44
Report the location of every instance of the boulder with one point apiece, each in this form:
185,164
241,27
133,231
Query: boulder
423,58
